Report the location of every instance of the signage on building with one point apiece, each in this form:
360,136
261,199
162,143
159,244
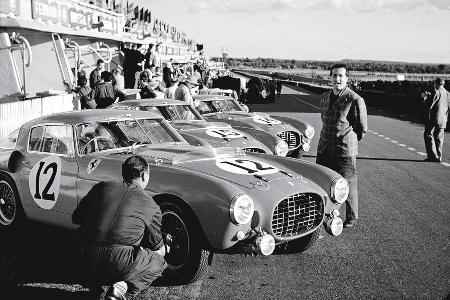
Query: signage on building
10,6
50,10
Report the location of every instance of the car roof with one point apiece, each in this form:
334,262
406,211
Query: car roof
147,102
91,115
212,97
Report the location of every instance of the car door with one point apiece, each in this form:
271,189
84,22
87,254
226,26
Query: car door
49,173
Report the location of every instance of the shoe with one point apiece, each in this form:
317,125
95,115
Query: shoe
429,159
349,223
114,294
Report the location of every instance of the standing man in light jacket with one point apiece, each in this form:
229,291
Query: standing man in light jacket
436,114
344,118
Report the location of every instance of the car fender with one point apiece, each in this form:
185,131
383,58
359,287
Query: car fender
297,124
267,139
193,140
10,160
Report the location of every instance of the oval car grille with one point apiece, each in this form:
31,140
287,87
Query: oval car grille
256,150
297,214
292,138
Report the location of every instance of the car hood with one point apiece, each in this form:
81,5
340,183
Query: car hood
230,164
259,121
219,134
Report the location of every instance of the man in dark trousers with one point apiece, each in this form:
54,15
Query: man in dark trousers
116,219
344,118
95,76
104,93
436,114
279,87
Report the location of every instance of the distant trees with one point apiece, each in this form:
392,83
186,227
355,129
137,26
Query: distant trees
355,65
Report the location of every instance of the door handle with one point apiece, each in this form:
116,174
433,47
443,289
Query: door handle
26,163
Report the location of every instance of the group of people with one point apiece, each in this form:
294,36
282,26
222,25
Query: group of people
103,89
112,208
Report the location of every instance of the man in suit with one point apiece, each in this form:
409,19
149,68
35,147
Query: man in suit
436,113
344,118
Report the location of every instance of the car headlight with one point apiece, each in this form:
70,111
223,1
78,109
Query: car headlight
241,209
309,132
339,190
306,147
281,148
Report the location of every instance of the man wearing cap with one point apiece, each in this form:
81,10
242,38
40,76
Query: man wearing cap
183,92
436,114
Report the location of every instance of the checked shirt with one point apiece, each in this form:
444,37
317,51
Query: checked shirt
344,123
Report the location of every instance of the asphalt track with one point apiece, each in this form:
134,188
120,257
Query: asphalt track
399,249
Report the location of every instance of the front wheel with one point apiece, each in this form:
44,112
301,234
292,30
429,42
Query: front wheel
187,261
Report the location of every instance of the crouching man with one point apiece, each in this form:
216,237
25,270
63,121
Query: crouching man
120,234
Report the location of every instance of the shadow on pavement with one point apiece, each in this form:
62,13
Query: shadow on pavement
36,263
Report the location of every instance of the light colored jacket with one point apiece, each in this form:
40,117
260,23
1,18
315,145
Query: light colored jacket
183,93
437,107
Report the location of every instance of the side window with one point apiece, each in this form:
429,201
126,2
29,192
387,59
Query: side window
56,139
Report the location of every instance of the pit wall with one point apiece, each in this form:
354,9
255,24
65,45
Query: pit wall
14,113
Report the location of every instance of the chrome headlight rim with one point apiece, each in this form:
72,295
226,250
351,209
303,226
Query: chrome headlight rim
309,132
281,148
339,190
236,215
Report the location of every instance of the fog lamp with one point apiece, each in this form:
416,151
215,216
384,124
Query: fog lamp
281,148
306,147
334,226
309,132
266,244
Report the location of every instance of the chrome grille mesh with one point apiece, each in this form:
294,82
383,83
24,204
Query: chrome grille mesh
256,150
292,138
297,214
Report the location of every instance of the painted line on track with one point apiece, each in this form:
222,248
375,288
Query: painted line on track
304,101
404,145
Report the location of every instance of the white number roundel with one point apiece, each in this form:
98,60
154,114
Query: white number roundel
224,133
45,180
245,166
265,120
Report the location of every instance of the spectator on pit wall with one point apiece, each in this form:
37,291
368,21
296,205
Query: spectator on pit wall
344,118
436,114
94,77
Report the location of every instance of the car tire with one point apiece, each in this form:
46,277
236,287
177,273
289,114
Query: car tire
11,212
187,261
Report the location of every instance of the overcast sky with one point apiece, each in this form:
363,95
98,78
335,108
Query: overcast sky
394,30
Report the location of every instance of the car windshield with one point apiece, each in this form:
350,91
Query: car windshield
108,135
176,112
222,105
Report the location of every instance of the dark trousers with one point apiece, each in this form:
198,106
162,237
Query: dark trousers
434,139
346,167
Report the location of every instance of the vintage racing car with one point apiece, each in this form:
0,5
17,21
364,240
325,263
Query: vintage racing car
269,130
194,128
213,199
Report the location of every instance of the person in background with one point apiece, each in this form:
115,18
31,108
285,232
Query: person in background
94,77
279,87
146,86
83,91
183,91
344,118
170,91
120,239
118,80
147,56
436,115
104,93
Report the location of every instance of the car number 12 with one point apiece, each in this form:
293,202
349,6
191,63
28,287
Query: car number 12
44,181
246,166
